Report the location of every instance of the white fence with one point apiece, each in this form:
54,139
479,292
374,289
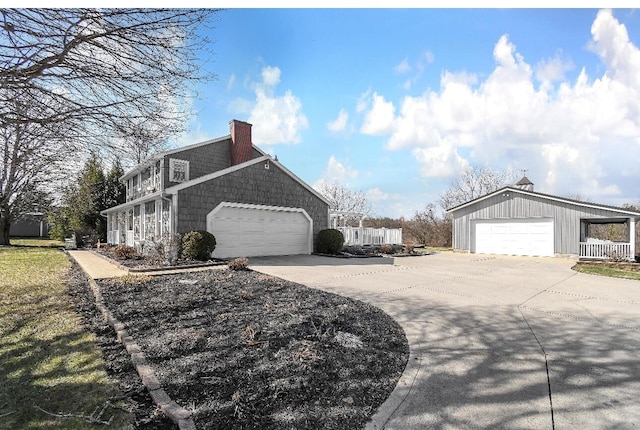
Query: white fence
605,250
371,236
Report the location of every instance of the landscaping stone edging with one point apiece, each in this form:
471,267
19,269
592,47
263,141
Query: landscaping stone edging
156,269
175,412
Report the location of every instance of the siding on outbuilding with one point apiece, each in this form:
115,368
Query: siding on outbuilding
510,203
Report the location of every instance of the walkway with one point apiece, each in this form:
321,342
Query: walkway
97,267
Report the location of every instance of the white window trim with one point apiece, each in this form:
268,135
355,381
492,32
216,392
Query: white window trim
173,163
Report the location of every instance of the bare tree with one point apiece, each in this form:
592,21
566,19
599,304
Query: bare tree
74,79
473,182
31,158
342,199
428,228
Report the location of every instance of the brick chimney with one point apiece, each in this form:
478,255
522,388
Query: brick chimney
241,149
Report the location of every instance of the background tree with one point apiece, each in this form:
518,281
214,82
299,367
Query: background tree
473,182
32,157
429,228
343,199
73,80
89,200
115,191
83,201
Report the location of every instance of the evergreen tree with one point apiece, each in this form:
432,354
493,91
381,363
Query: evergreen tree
115,191
89,200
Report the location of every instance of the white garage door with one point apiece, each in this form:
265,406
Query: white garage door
529,236
243,230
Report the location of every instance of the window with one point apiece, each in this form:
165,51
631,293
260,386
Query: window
178,170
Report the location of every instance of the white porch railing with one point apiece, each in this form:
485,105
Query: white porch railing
371,236
605,250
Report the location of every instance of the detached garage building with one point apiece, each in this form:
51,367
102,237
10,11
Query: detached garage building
516,220
252,204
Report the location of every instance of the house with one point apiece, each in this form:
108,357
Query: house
249,201
516,220
33,224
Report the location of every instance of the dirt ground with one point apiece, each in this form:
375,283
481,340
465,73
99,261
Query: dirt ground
242,350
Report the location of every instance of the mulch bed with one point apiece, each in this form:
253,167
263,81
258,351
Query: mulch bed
146,415
146,263
242,350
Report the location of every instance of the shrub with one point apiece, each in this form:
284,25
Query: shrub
124,252
386,249
238,264
198,245
329,241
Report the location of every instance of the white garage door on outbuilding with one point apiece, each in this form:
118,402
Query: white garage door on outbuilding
246,230
524,236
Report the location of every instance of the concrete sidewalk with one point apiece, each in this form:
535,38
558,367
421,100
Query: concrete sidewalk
95,266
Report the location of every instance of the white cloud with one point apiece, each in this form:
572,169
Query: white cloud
553,69
439,161
403,67
340,123
429,57
231,82
580,136
376,194
275,119
271,76
379,119
337,172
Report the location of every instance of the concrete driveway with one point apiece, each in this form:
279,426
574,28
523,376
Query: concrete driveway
496,342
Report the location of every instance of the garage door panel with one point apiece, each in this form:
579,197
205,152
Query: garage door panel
250,230
531,236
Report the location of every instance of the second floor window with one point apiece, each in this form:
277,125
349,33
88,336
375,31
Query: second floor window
178,170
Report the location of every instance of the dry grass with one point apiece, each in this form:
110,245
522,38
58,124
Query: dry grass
607,271
47,359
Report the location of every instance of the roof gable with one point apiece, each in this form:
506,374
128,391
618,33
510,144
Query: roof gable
545,197
174,189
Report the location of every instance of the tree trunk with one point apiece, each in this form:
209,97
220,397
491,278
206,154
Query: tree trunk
4,230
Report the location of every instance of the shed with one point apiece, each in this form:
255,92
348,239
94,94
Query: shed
516,220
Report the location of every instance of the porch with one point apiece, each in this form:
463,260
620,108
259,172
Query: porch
608,239
135,223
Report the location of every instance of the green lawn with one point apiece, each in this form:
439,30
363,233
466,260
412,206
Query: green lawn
30,241
47,359
606,271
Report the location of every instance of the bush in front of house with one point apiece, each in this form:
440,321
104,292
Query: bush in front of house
198,245
329,241
124,252
241,263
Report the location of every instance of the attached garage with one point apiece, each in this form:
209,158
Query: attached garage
525,236
247,230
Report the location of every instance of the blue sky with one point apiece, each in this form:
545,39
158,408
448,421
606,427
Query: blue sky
395,102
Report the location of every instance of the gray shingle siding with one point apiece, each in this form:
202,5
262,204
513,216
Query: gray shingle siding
203,160
566,217
253,185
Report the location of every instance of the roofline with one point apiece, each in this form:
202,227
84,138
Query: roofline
141,166
174,189
131,203
544,196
